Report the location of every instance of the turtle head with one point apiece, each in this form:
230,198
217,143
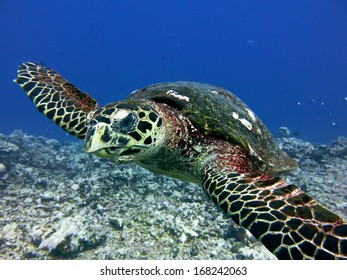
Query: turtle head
124,131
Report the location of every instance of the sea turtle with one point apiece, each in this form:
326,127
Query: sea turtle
202,134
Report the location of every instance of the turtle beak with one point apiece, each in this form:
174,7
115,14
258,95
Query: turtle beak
97,138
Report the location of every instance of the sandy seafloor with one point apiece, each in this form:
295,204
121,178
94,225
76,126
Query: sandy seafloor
57,202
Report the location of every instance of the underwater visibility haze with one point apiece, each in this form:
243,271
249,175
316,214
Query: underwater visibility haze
286,61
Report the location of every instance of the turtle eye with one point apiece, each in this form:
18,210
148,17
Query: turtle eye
125,124
129,120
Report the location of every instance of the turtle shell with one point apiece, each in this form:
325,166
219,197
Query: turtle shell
217,112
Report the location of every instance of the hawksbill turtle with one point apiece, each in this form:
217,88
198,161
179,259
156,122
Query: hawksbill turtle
202,134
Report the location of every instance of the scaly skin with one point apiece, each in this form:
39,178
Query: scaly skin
291,224
56,98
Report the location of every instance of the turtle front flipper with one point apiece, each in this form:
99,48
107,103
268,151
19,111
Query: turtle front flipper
56,98
290,223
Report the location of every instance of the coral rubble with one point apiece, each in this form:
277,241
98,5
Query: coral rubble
60,203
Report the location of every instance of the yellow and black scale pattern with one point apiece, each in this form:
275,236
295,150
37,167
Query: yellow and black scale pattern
56,98
290,223
140,126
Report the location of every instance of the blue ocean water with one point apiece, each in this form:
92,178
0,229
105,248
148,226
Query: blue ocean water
286,59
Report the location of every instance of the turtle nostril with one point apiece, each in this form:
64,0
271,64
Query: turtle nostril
106,136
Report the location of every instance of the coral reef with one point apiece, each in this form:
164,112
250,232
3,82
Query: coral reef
60,203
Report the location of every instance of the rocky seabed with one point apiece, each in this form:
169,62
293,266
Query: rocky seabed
60,203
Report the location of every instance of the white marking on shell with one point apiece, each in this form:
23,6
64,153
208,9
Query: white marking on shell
175,94
235,116
214,91
251,151
198,148
251,114
246,124
259,131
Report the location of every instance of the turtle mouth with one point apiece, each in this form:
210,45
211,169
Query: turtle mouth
116,152
102,143
111,151
121,151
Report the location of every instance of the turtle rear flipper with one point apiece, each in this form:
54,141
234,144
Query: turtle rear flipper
56,98
290,223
